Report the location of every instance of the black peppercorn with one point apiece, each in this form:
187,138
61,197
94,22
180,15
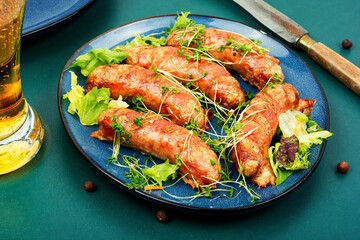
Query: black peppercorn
343,167
90,186
347,44
162,216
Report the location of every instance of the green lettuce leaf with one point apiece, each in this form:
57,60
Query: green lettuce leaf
88,107
92,104
75,93
308,132
313,127
301,161
118,103
142,40
314,138
291,123
181,22
161,172
97,57
280,174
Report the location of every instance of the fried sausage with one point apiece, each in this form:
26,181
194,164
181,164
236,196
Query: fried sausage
259,124
217,84
165,140
256,68
157,92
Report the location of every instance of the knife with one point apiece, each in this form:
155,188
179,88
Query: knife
296,35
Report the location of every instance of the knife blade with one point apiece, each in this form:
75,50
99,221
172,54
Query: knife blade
297,36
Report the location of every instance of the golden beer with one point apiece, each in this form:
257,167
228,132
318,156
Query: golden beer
21,130
12,104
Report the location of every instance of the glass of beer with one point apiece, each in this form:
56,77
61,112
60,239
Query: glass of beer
21,130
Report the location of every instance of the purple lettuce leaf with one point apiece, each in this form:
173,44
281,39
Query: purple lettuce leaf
288,148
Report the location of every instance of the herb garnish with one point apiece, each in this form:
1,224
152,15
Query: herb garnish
155,70
137,121
276,79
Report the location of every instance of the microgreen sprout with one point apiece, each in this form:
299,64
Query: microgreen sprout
155,71
137,121
273,80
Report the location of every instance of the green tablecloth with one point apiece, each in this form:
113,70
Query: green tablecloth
46,200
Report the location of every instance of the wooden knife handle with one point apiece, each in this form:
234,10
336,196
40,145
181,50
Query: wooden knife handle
338,66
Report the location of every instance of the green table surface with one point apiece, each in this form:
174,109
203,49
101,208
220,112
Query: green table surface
45,199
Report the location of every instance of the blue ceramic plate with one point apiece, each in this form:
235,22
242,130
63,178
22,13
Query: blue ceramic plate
42,14
296,72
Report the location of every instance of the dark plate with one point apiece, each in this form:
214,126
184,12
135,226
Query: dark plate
42,14
96,152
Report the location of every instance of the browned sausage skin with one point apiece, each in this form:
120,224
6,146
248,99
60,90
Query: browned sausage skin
127,80
165,140
256,68
217,84
259,124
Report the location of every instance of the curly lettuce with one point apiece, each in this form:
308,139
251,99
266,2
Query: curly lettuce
299,134
161,172
181,22
88,107
142,40
97,57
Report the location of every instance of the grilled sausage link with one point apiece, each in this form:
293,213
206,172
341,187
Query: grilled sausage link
217,84
165,140
256,68
158,93
259,124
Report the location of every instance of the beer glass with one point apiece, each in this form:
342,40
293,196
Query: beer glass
21,130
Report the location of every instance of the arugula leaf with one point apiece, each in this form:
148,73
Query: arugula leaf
97,57
161,172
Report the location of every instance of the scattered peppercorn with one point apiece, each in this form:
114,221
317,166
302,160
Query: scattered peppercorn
162,216
343,167
347,44
90,186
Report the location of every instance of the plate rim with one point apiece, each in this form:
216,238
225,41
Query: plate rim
175,205
34,31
